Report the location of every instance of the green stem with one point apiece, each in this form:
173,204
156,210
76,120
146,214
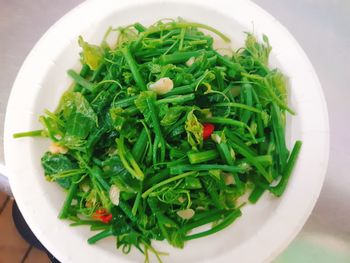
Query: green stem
201,157
156,126
126,158
228,63
279,189
97,174
225,223
238,105
155,150
179,99
134,68
158,177
179,57
182,34
246,92
203,221
226,155
251,158
264,160
150,53
278,132
231,122
208,213
127,211
97,72
101,235
140,145
153,30
67,203
126,102
80,80
136,204
134,164
34,133
256,194
139,27
205,167
167,181
181,90
239,142
212,191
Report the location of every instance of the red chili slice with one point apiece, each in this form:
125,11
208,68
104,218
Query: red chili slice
103,215
208,129
107,218
100,211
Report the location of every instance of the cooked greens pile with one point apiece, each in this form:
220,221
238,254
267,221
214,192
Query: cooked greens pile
161,134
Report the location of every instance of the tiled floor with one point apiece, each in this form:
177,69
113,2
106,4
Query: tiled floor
13,249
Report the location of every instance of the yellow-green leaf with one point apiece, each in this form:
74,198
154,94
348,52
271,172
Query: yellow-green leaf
92,54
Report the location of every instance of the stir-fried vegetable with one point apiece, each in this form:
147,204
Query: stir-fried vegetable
160,134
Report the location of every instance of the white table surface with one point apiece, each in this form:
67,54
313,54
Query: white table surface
322,27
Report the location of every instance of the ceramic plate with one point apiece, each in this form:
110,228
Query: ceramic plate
263,231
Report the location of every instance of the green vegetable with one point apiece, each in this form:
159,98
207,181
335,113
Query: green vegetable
201,157
281,187
92,55
142,167
56,165
134,69
223,224
194,130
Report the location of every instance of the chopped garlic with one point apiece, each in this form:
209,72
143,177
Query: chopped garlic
246,166
185,214
91,202
55,148
85,187
233,154
243,199
228,178
190,61
162,86
114,193
181,199
58,136
209,114
216,138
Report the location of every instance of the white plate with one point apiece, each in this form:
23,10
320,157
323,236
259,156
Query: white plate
263,231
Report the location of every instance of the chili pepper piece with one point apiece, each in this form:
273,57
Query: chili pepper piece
106,218
208,129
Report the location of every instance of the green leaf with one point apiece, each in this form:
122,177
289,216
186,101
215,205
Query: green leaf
76,102
141,104
216,174
194,130
104,98
176,238
172,115
259,51
117,117
79,125
278,83
192,183
79,118
92,54
58,163
113,168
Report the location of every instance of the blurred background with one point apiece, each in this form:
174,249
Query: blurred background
322,28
